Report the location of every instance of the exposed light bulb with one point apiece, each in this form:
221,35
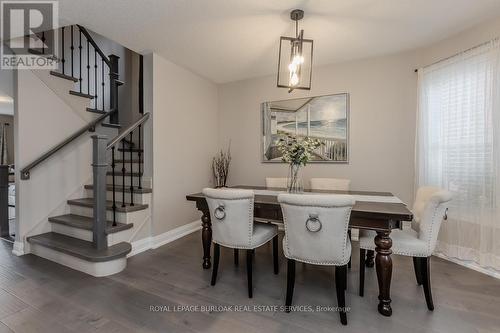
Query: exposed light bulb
294,79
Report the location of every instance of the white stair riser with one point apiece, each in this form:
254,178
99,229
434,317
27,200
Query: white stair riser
86,235
135,155
96,269
136,217
119,166
119,180
141,198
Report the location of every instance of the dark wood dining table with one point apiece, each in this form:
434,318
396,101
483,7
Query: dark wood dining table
380,217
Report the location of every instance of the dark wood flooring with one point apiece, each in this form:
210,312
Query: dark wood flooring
37,295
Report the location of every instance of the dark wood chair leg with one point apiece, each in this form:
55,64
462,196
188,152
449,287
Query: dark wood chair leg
370,255
236,257
362,254
275,255
340,283
250,255
425,265
290,283
215,266
417,263
349,234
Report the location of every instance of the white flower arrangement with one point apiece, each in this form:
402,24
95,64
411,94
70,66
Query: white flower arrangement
297,151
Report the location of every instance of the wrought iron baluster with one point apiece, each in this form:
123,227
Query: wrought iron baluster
95,78
113,164
72,54
43,42
102,82
88,67
131,170
63,60
80,51
123,173
140,159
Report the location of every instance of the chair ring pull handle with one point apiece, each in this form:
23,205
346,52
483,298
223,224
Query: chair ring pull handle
445,217
220,212
313,224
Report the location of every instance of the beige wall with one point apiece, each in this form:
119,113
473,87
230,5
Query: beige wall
382,116
460,42
382,124
184,141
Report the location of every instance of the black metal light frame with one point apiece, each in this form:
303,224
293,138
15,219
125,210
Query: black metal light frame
295,15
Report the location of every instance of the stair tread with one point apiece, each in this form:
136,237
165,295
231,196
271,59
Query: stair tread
128,161
134,150
89,202
111,125
127,173
96,111
80,248
63,76
84,95
120,188
86,223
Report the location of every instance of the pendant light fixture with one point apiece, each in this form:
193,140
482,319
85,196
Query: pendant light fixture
295,58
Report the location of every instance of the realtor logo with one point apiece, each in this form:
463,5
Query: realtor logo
28,34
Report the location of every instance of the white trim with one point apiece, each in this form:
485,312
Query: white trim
97,269
148,243
469,264
174,234
140,246
18,248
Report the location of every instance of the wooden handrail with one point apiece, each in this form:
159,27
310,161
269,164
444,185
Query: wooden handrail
127,131
94,44
25,172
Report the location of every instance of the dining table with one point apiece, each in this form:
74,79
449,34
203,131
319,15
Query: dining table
377,211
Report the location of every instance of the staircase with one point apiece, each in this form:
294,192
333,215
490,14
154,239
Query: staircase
94,236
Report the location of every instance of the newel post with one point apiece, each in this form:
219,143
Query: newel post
99,166
114,83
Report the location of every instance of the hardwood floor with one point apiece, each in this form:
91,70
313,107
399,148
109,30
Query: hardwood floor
37,295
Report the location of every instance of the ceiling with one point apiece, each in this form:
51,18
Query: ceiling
229,40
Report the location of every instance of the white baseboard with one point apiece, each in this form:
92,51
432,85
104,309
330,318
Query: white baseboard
140,246
469,264
18,248
165,238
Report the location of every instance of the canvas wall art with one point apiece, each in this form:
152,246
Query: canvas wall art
325,118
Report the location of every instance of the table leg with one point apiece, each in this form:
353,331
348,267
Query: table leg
383,263
206,238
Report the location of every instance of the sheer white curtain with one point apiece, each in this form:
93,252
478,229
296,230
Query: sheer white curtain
458,144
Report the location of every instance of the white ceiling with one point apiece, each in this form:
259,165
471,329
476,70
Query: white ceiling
228,40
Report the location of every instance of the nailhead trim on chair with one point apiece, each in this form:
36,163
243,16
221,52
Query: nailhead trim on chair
250,225
326,263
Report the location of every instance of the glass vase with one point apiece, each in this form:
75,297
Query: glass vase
293,182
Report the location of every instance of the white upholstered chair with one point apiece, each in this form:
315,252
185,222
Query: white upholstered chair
331,184
231,213
419,242
316,233
276,182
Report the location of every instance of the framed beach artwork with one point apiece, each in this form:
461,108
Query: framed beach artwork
325,118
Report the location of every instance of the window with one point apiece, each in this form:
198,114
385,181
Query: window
458,144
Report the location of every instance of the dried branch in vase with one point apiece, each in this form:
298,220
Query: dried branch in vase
220,167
